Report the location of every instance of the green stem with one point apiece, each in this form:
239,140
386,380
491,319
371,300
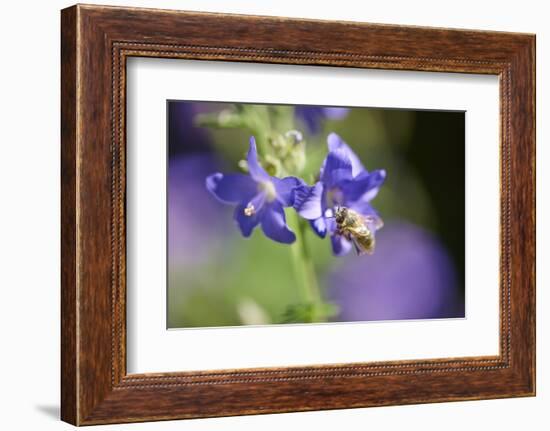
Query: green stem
309,269
303,264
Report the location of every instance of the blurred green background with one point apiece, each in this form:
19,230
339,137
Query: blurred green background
218,278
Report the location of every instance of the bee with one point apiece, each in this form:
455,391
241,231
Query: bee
357,228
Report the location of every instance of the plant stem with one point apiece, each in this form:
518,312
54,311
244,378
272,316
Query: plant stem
303,263
309,268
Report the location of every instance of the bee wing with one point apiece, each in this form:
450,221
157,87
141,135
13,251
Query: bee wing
373,222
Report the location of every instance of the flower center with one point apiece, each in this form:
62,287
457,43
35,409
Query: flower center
249,211
269,189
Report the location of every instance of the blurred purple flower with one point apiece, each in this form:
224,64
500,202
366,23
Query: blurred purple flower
411,276
344,182
192,228
313,116
260,198
183,135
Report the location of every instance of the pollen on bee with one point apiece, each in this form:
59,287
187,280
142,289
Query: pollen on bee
249,211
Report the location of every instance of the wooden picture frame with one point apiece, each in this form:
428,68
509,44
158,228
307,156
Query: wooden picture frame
95,43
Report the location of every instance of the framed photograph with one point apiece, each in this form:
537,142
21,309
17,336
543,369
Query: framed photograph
266,215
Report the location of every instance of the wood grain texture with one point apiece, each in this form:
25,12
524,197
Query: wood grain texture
96,41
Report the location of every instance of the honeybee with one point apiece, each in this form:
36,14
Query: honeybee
357,228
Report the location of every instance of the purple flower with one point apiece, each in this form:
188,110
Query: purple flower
344,182
260,198
183,135
411,276
312,116
192,239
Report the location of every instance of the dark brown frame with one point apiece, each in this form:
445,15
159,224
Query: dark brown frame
95,43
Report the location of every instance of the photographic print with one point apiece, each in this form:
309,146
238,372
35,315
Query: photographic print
250,216
299,214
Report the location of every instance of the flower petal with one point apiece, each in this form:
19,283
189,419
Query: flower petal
247,223
363,208
307,201
274,224
232,188
256,171
311,116
379,176
340,245
285,188
336,168
363,187
319,226
335,142
335,113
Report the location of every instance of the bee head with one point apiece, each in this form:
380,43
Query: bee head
340,214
